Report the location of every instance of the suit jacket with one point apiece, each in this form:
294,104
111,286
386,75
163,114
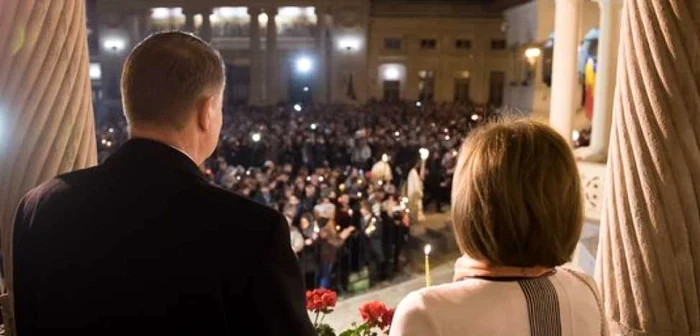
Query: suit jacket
144,245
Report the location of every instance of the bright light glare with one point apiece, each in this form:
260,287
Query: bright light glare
231,12
419,104
575,135
95,71
349,43
392,73
304,65
262,19
115,43
314,126
256,137
424,153
110,130
297,107
533,52
160,13
427,249
475,117
447,138
385,158
306,89
289,11
397,134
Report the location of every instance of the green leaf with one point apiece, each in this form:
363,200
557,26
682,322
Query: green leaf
325,330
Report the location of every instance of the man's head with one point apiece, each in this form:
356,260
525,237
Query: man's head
172,90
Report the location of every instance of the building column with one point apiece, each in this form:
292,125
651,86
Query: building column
205,32
608,42
320,94
46,125
256,70
189,21
564,77
144,21
272,62
648,265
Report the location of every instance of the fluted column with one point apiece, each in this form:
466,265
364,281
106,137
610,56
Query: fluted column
320,93
271,68
189,21
608,41
648,263
564,78
144,19
205,32
46,118
256,70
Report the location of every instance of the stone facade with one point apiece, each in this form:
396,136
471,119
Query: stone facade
350,43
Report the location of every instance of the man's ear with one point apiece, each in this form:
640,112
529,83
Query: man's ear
204,109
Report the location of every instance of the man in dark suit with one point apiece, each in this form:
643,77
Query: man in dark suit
143,245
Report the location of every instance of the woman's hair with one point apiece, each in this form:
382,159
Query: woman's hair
516,198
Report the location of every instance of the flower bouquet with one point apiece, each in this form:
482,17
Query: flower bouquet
375,315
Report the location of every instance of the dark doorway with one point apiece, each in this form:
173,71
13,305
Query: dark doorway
237,82
497,81
391,90
462,90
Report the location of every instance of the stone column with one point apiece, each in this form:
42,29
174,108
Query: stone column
608,41
564,78
272,60
648,265
205,32
189,21
256,71
321,91
46,118
144,19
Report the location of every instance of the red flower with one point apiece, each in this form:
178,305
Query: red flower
372,313
387,318
321,300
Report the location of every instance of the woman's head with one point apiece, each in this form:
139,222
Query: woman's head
516,198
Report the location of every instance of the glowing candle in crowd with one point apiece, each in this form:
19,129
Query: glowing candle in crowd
427,250
359,194
424,153
397,134
320,178
316,228
380,183
385,157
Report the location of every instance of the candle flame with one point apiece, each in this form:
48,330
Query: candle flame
427,249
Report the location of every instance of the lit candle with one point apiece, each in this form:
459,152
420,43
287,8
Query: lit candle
427,264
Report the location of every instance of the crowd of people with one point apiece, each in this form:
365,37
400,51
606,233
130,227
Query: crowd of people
350,180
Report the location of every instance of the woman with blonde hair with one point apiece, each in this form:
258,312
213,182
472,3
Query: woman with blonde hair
517,210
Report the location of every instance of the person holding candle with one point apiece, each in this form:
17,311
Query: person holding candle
517,209
309,255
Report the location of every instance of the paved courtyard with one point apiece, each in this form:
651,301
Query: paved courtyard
347,311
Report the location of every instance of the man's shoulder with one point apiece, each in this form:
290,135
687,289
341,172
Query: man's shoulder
62,184
237,206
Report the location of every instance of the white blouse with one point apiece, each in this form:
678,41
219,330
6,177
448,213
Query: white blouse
563,303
